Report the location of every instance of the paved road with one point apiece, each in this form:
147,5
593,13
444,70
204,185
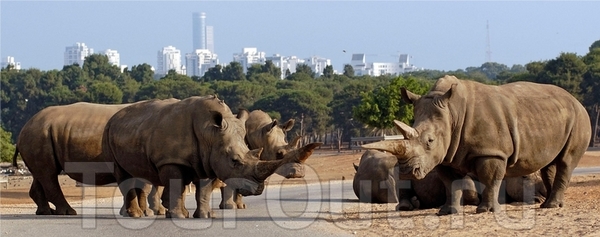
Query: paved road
299,210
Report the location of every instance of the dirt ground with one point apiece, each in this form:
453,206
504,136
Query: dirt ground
580,216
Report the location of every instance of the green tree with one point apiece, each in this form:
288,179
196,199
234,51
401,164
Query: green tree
304,69
142,73
213,74
348,70
328,71
234,72
96,66
103,92
590,85
8,148
381,107
271,69
565,71
595,45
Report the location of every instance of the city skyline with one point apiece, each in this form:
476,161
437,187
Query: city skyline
439,35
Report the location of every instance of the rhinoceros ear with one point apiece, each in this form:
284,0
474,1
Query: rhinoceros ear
217,119
408,96
267,128
397,147
355,167
243,114
255,153
288,125
443,100
408,131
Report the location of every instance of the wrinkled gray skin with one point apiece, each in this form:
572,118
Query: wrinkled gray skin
493,132
377,177
58,135
171,144
377,181
264,132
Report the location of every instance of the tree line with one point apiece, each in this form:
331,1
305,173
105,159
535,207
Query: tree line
325,105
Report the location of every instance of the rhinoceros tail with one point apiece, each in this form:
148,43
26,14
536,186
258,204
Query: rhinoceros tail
14,161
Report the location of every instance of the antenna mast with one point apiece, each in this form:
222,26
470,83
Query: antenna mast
488,48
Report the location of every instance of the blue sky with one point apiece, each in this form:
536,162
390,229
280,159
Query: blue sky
443,35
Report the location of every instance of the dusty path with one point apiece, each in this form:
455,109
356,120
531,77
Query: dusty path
579,217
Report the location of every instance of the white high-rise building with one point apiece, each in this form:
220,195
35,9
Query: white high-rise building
248,57
317,64
10,61
77,53
361,67
169,58
199,62
113,57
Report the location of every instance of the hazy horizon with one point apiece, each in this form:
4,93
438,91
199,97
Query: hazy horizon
445,35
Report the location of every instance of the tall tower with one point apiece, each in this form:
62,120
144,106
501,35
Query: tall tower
199,30
488,48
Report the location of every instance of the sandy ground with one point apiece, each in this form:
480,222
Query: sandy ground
580,216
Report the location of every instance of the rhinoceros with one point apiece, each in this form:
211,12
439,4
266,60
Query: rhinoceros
171,144
377,177
377,181
493,132
264,132
59,136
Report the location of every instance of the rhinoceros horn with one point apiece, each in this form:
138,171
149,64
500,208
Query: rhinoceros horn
265,168
396,147
408,131
295,143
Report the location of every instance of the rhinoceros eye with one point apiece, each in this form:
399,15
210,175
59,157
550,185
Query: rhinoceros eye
429,142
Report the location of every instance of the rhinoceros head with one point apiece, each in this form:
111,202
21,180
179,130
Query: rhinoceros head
238,166
426,143
263,132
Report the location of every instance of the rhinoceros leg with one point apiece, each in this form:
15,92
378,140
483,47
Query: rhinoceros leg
490,172
227,202
204,188
39,197
130,197
175,178
230,199
565,163
405,193
54,194
239,201
154,200
453,185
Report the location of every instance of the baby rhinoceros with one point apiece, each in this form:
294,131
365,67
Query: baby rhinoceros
377,181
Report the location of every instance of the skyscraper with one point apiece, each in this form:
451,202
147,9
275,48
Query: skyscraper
202,35
210,41
77,53
199,30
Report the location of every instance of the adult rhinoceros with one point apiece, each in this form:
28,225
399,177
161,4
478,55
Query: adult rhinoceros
56,137
264,132
377,181
173,143
493,132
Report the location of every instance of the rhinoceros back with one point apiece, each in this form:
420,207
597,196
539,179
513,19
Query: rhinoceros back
66,133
